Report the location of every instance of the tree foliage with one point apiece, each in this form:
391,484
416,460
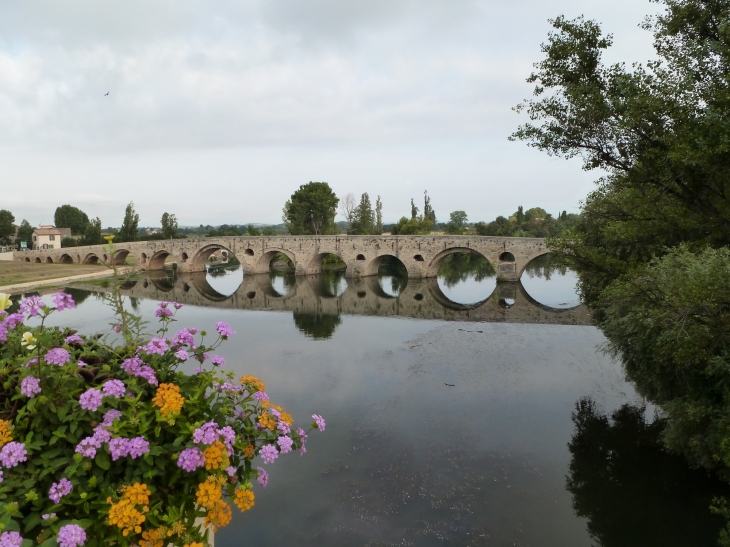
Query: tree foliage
92,233
378,216
128,231
363,218
311,209
68,216
25,233
169,226
7,228
457,223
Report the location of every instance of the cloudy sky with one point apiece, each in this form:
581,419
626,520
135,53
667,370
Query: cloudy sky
218,110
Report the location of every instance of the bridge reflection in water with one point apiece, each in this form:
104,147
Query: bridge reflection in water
313,297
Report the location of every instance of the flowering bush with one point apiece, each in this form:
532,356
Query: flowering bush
106,443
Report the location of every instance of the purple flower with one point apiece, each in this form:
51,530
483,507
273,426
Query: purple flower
261,396
90,399
182,355
117,328
318,422
284,443
283,427
30,386
48,516
11,539
163,305
206,433
138,446
32,362
1,476
302,435
217,360
63,301
198,370
60,489
190,459
114,388
231,471
177,305
73,339
224,329
136,367
156,345
163,312
110,416
13,320
12,454
57,356
101,435
31,306
183,338
263,477
88,447
119,448
269,453
229,436
71,535
80,363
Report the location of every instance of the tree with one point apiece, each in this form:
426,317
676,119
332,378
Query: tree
363,220
347,208
414,209
7,229
253,231
311,209
25,233
128,231
169,226
378,216
68,216
92,233
457,223
428,211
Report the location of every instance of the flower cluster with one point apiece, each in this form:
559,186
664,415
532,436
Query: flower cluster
30,386
136,367
128,513
169,400
60,489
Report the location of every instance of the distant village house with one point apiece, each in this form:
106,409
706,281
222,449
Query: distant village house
49,237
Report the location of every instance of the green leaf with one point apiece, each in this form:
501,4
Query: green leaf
102,460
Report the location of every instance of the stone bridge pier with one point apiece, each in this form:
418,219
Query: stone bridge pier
421,255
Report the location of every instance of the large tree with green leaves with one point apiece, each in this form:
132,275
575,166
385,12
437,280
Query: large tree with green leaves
378,216
25,233
92,233
457,223
658,131
128,231
363,218
311,209
7,228
68,216
169,226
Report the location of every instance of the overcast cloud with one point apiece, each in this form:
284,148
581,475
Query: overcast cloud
218,111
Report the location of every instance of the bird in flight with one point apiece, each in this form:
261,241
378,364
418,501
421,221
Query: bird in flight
107,93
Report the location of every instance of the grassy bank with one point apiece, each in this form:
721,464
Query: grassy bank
12,273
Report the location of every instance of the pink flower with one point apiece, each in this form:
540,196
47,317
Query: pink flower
90,399
30,386
263,477
63,301
57,356
269,453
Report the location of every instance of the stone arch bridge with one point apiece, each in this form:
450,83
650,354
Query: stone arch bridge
421,255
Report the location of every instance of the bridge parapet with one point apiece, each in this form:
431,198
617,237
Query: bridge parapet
421,255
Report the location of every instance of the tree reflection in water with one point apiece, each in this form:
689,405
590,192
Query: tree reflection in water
545,266
633,493
282,282
393,271
459,267
318,326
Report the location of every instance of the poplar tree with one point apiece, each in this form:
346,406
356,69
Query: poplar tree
128,231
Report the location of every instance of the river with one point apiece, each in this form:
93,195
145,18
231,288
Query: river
460,411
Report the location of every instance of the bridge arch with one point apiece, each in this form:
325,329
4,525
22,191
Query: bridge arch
433,266
38,260
315,264
91,258
120,257
49,260
27,259
521,265
201,257
262,264
66,259
443,300
157,260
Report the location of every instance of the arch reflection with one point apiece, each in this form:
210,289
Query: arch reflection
551,283
321,295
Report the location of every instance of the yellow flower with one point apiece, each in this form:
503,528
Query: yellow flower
216,456
109,238
29,340
155,537
286,417
4,301
248,451
208,494
193,544
267,421
125,516
6,432
218,515
178,529
244,499
169,400
252,381
138,494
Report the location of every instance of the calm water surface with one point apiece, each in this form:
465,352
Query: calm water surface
441,430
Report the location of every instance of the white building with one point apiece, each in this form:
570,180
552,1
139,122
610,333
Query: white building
49,237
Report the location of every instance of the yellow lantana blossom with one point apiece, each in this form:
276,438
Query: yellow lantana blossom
208,494
169,400
216,456
124,515
6,432
248,451
286,417
155,537
219,515
244,499
253,382
137,493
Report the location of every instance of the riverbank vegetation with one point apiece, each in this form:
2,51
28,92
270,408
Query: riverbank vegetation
650,246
